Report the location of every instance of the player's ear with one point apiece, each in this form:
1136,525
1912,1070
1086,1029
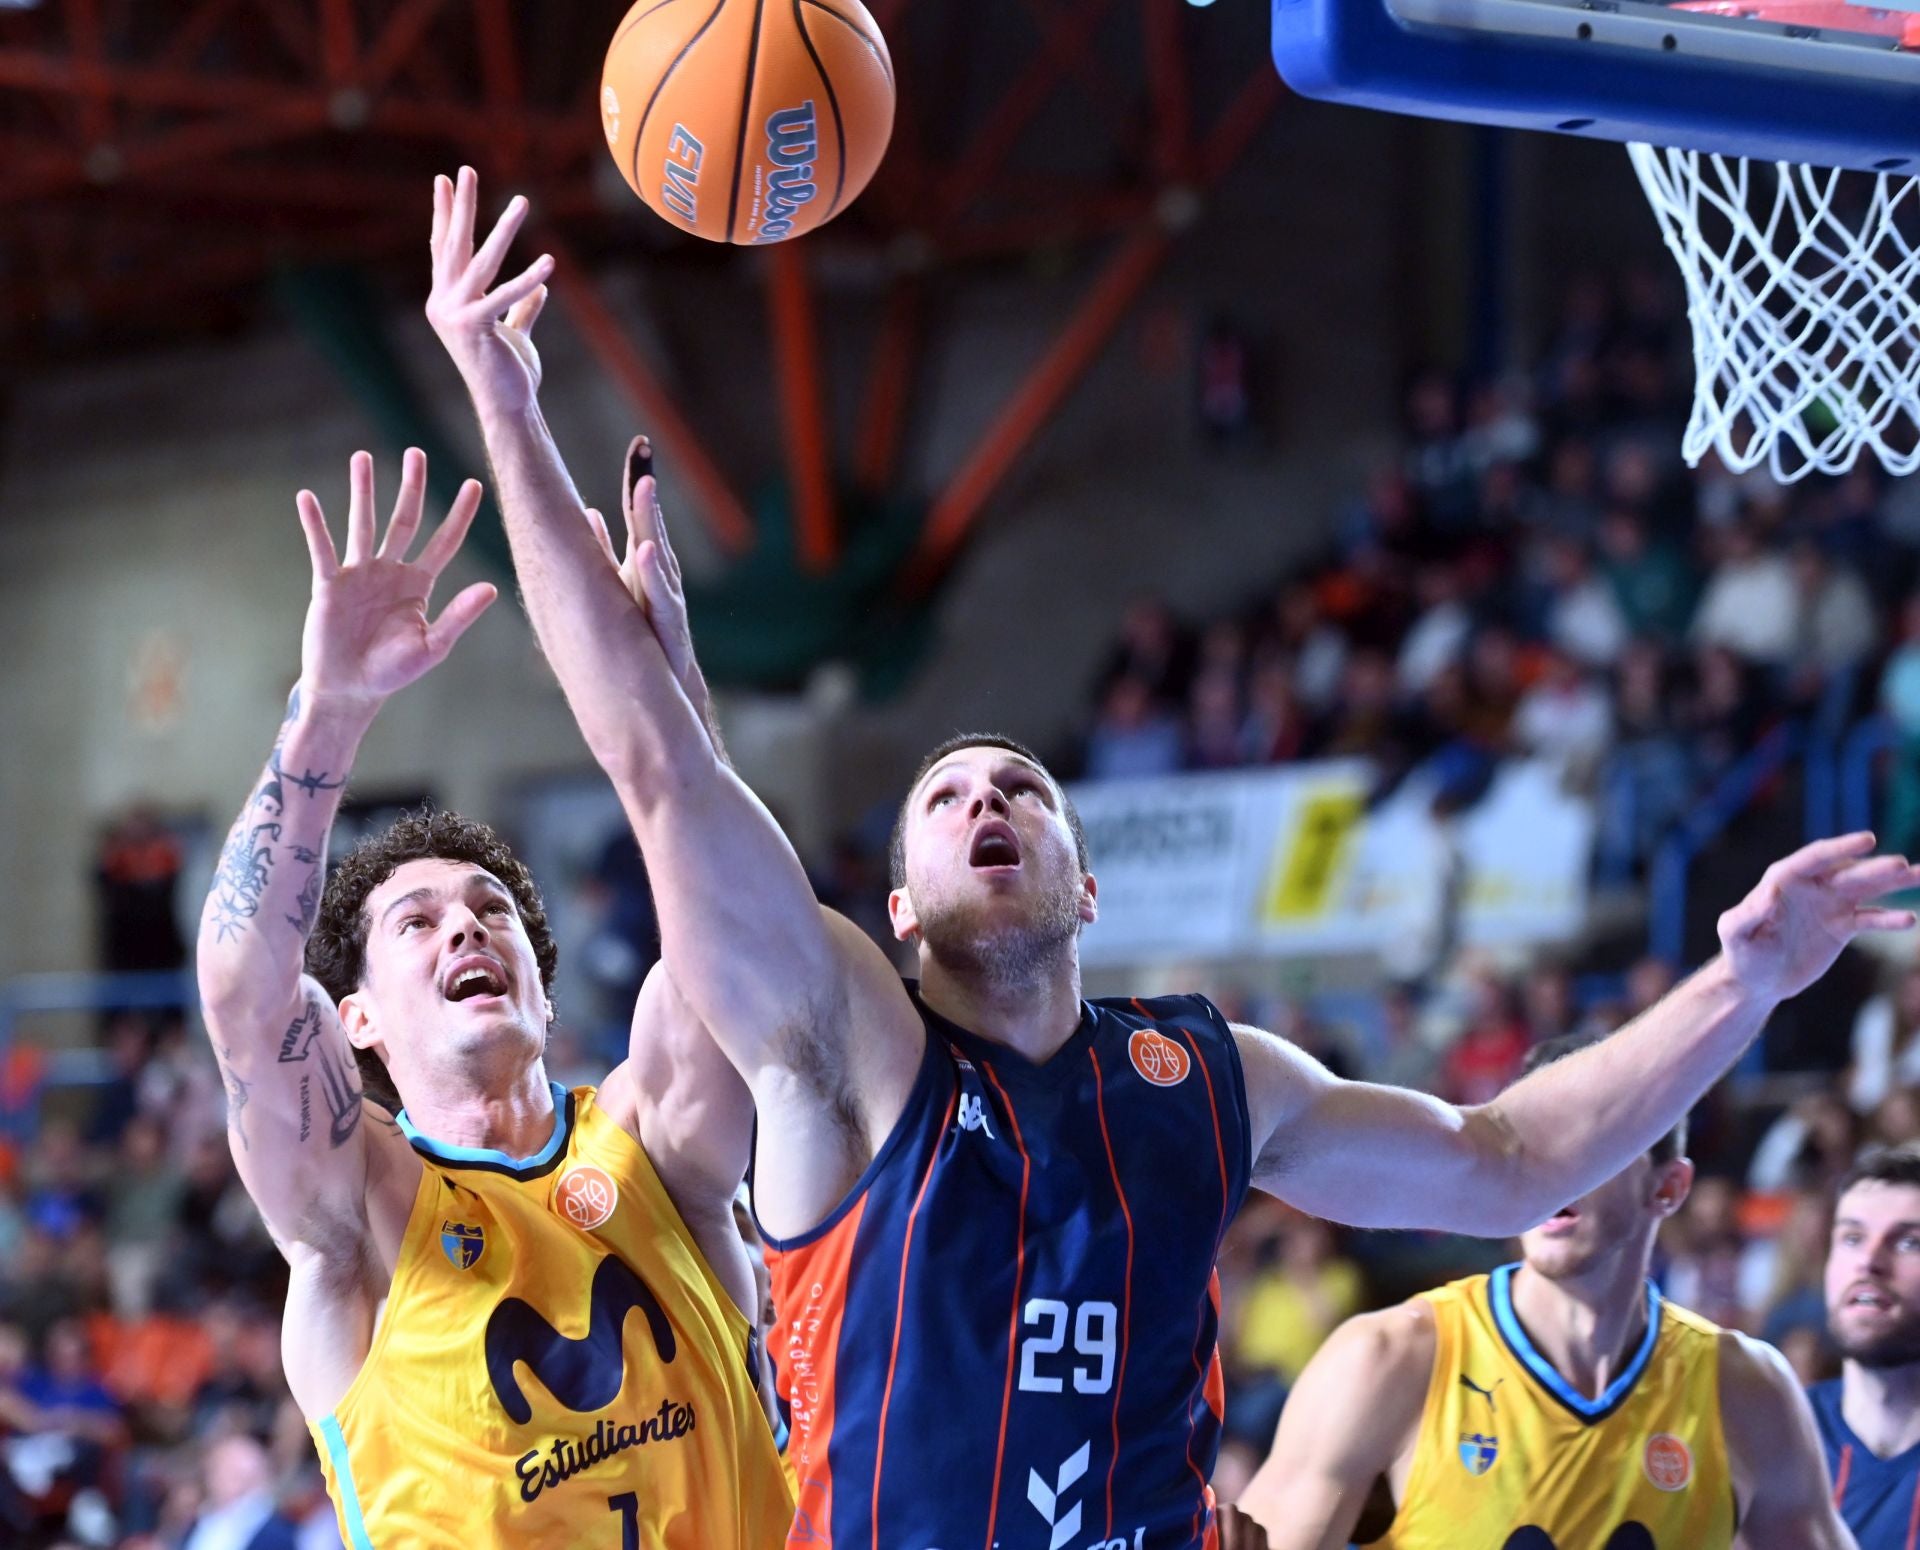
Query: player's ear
900,911
1672,1182
357,1019
1089,899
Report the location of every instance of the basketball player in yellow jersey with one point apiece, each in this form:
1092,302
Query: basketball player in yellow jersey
1558,1404
516,1314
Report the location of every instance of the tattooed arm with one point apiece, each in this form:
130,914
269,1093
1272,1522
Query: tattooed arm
294,1105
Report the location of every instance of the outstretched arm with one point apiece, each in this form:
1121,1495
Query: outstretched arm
1780,1471
782,986
1354,1412
293,1094
1382,1157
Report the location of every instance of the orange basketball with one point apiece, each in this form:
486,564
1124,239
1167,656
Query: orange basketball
747,121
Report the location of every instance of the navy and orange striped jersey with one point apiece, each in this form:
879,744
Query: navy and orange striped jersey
1879,1499
1006,1334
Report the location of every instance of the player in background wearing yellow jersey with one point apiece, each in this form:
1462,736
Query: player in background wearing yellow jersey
1560,1404
516,1315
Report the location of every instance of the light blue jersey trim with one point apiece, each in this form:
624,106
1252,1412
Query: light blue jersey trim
343,1476
1500,1294
486,1154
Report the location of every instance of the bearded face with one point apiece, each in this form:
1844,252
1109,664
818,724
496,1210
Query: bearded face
995,890
1873,1274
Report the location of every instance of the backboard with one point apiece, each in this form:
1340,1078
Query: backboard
1833,84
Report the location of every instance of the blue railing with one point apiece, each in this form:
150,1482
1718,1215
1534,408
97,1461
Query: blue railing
87,1065
1854,761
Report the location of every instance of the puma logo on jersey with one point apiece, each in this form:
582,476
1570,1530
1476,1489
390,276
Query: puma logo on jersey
584,1374
973,1115
1486,1394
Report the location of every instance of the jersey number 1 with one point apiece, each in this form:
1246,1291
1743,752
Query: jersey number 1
1094,1326
627,1504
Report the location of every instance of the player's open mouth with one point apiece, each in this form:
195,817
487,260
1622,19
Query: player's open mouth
1566,1216
994,847
1864,1296
472,977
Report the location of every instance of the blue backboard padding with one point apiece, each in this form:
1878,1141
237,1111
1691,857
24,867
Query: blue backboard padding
1357,52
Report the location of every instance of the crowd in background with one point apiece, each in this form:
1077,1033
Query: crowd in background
1534,574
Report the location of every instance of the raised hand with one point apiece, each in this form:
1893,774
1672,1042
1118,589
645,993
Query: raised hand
1808,906
487,329
650,571
367,632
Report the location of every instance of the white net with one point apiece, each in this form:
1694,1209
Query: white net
1803,289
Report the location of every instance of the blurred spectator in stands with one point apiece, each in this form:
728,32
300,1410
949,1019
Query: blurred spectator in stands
135,873
62,1179
1708,1270
1407,1059
1214,722
1723,713
1316,646
1366,720
1302,1288
1796,1261
1437,463
1153,650
180,1086
1276,727
1133,736
154,1365
1438,637
144,1198
1647,781
239,1511
64,1386
239,1389
1886,1044
1651,580
225,1244
1809,1147
621,941
1569,506
1896,1122
1486,1056
1225,391
1501,429
1837,622
1751,605
1566,719
1900,699
1547,1002
1583,618
1648,980
129,1045
36,1287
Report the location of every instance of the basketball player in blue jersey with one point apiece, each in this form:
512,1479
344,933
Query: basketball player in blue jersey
1560,1404
1870,1415
993,1206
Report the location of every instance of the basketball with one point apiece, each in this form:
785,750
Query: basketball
747,121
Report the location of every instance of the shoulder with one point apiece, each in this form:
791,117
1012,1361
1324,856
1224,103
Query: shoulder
1390,1352
1762,1406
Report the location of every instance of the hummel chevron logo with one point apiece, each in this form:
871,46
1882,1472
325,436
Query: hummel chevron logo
1047,1502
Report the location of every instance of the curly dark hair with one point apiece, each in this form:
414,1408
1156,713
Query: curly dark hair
337,950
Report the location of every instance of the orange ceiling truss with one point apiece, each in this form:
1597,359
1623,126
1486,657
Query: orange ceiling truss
159,161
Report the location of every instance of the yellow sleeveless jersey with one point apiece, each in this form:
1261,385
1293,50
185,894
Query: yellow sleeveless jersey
557,1365
1511,1457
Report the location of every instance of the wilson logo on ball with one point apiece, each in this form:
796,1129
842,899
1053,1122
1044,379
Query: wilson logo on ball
793,144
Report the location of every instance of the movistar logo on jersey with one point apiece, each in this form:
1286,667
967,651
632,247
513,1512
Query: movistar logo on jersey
462,1244
586,1374
1478,1452
793,141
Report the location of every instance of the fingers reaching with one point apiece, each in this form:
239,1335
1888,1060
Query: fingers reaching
458,616
313,523
1882,920
457,241
447,538
359,508
599,525
486,262
407,506
1871,879
1824,856
510,293
526,312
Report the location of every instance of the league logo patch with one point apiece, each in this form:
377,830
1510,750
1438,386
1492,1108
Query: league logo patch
585,1196
1157,1058
1668,1463
1478,1452
462,1244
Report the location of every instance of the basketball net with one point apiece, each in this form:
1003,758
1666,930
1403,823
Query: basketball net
1803,291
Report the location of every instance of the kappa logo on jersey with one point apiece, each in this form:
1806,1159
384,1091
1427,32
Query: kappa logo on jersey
462,1244
1157,1058
1668,1462
1478,1452
585,1196
973,1115
586,1374
1046,1499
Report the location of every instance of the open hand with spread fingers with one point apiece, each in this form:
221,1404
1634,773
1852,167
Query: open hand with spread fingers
367,631
1806,907
487,328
